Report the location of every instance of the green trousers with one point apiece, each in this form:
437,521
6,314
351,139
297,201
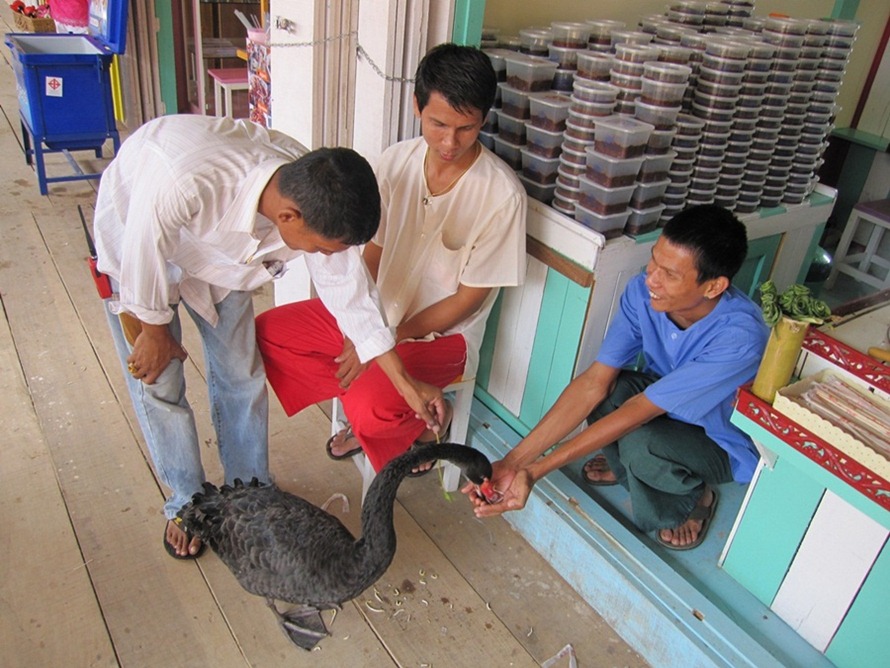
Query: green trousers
664,464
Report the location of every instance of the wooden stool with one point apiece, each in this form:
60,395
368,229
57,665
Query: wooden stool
858,265
460,426
226,80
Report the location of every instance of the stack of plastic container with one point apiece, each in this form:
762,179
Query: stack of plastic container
609,180
544,134
739,10
715,100
730,55
787,35
590,101
524,75
685,145
627,73
569,38
838,41
687,13
765,134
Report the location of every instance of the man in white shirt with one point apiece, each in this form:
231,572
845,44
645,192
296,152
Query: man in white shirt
203,211
452,233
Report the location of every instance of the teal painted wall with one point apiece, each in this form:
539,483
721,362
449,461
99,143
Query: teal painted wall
862,638
166,60
770,532
467,25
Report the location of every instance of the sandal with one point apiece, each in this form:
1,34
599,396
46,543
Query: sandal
188,534
420,444
346,436
598,464
703,514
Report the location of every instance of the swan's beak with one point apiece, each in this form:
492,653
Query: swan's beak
485,490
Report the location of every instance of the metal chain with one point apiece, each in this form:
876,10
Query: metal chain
360,52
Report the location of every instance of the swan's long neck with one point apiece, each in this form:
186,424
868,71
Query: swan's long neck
377,544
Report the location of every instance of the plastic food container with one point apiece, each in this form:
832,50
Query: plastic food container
565,207
715,76
601,31
628,68
609,225
570,34
548,111
539,191
511,129
611,172
595,91
635,53
629,81
621,137
660,141
581,107
649,194
580,125
663,94
723,64
534,41
667,72
658,116
537,168
487,140
567,191
578,158
673,53
604,200
655,167
641,221
631,37
564,58
508,152
544,143
514,102
498,62
594,65
530,74
688,125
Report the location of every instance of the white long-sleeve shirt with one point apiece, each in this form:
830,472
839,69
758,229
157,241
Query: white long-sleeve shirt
176,218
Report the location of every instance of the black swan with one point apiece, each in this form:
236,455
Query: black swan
280,546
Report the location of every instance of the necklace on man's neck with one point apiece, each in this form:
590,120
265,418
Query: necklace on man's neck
428,198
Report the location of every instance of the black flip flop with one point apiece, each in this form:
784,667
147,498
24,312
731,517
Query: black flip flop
345,455
172,550
596,483
702,513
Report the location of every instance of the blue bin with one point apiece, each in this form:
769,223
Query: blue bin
64,87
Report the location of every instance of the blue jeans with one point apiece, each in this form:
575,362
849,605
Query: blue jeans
239,403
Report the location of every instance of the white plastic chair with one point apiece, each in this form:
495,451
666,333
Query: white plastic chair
460,426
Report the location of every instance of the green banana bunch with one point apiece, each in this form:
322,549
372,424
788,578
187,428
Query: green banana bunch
796,303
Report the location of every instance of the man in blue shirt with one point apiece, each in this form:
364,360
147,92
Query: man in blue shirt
664,431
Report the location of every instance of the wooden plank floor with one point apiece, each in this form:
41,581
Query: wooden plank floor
84,580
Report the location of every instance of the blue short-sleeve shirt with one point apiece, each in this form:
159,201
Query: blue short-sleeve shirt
699,368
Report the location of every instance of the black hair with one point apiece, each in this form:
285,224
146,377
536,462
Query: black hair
717,239
463,75
336,191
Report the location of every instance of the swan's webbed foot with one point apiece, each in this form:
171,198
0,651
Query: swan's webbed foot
302,624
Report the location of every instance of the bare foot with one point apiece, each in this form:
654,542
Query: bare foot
687,533
429,437
596,471
179,541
